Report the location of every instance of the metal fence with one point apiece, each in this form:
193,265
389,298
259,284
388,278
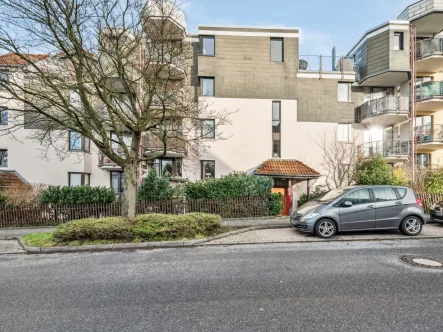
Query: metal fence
52,215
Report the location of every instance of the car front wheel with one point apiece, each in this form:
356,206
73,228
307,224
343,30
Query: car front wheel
411,226
325,228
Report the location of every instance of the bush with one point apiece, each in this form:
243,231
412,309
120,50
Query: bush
434,182
113,228
377,172
275,204
77,195
316,193
2,199
155,188
24,194
231,186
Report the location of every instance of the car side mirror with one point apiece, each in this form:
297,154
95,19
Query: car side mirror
347,204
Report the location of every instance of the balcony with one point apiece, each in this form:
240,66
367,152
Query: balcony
391,150
330,66
164,21
175,147
429,98
106,163
429,138
430,55
385,111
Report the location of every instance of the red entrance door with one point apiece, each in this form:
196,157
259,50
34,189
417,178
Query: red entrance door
286,199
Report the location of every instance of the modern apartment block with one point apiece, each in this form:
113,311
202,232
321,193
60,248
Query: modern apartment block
399,64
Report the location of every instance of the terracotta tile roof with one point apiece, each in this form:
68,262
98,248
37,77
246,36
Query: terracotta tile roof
292,168
13,59
10,178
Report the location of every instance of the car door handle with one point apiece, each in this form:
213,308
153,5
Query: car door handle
370,206
398,203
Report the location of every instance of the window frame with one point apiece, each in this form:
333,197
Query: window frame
120,181
282,49
202,164
349,100
389,200
201,85
3,111
350,138
85,143
371,195
275,119
201,48
2,153
400,41
212,133
83,178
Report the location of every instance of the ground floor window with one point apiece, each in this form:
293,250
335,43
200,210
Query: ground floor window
3,158
208,169
423,160
117,182
79,179
167,167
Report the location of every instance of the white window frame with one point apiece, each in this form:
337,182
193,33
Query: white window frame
346,98
344,133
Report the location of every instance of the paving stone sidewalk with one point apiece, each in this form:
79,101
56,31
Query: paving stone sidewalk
285,235
10,247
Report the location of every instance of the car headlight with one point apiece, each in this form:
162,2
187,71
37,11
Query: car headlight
310,216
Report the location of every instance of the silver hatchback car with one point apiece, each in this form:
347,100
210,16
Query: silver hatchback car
361,208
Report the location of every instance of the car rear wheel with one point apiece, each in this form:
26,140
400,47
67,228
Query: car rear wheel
325,228
411,226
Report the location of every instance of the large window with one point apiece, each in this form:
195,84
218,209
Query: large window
208,169
383,194
344,133
344,91
208,86
425,120
167,167
78,142
398,41
207,45
358,197
208,128
3,158
3,117
277,49
79,179
117,182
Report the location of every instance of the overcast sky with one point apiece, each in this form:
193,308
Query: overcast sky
323,23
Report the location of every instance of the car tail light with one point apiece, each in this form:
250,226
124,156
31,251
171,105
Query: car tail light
419,203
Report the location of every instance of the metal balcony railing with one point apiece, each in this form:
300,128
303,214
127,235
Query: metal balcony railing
388,149
429,47
104,161
384,105
429,134
325,63
429,90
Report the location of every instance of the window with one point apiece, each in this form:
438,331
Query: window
4,77
127,140
344,91
344,133
401,192
3,117
276,114
208,169
207,45
277,50
358,197
208,129
423,160
425,120
398,41
276,149
384,194
117,182
3,158
75,98
78,142
167,167
79,179
208,86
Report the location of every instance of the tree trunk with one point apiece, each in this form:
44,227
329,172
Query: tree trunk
129,190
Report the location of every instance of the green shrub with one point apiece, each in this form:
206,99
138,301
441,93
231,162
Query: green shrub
155,188
76,195
2,199
113,228
316,193
275,204
434,182
231,186
376,172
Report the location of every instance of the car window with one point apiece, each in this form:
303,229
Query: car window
383,194
357,197
401,192
333,194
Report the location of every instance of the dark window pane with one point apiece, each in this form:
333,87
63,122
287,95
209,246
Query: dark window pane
166,167
401,192
4,117
208,129
3,158
359,197
276,110
75,141
208,169
384,194
276,149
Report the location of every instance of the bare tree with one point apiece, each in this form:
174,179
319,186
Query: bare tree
340,161
112,66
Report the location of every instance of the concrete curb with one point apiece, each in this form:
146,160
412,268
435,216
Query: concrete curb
130,246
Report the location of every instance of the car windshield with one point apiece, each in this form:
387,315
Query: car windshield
333,194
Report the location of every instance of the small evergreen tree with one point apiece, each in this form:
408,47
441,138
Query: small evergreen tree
155,188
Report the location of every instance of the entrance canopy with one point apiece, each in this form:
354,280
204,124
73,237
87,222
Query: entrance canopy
286,169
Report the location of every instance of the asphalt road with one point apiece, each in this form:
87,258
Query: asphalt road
357,286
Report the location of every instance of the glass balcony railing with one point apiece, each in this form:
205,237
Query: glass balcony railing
325,63
384,105
429,134
387,149
429,47
429,90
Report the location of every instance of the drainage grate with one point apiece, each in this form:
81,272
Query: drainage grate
422,262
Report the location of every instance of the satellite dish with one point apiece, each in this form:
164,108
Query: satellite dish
303,64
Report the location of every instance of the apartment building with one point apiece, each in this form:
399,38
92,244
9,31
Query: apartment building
399,65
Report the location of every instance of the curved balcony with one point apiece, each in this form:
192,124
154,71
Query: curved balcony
429,97
391,150
385,111
429,138
430,55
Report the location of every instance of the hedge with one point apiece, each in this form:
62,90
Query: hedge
63,195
